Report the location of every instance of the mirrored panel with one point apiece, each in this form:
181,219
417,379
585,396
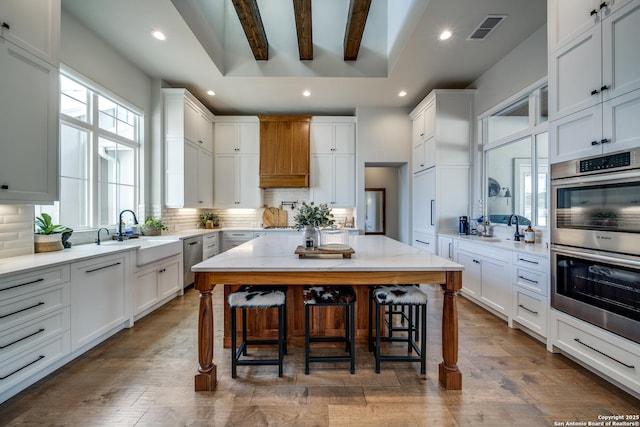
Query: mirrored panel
374,222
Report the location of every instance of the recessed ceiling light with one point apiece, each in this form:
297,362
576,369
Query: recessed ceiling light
159,35
306,93
445,35
402,93
210,93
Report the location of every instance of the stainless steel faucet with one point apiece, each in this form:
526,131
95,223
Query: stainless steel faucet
135,221
99,230
516,236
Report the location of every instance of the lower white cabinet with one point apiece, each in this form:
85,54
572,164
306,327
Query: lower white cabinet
99,297
425,242
210,245
445,247
155,284
233,238
529,309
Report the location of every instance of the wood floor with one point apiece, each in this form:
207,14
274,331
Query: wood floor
144,377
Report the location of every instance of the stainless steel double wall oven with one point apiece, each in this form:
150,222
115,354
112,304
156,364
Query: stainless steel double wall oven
595,241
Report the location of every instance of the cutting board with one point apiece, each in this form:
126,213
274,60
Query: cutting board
283,218
270,217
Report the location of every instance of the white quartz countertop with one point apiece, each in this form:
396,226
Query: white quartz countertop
532,248
372,253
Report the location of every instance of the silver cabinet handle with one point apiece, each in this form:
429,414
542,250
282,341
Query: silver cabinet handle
529,261
604,354
420,241
528,280
451,250
433,202
527,309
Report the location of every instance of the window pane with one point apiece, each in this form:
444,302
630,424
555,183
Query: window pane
510,120
116,162
107,206
116,118
74,202
73,152
73,99
542,154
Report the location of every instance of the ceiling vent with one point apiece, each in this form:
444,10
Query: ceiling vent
486,27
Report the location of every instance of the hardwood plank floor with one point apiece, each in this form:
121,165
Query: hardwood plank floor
144,377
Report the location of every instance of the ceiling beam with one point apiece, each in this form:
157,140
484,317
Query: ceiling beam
358,12
302,12
249,16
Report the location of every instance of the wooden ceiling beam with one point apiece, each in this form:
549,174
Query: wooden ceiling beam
358,12
251,22
302,12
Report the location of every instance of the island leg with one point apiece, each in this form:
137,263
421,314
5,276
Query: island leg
206,377
448,372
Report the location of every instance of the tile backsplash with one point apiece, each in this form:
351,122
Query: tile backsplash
16,230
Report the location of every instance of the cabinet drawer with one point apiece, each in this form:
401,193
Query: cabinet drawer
237,235
23,365
425,242
532,262
23,308
484,249
612,356
28,334
530,310
533,280
210,238
20,284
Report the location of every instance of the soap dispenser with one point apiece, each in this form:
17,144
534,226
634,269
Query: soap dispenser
529,235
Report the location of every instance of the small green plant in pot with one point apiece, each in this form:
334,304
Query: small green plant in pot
48,236
154,226
311,218
209,220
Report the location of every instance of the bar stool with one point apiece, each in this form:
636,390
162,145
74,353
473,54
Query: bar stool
258,297
326,296
404,296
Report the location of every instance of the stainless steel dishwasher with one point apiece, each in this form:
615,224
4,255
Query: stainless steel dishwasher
192,253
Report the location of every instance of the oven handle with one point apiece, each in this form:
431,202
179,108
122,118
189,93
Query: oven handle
597,257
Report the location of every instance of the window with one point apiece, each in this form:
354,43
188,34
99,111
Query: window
99,149
516,166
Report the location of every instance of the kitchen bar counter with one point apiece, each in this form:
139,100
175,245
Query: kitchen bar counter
379,260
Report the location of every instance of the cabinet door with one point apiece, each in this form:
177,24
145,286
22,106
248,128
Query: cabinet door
424,201
191,176
577,135
248,181
29,122
205,132
430,153
321,138
418,127
34,26
225,138
575,77
145,291
205,179
430,120
249,138
168,280
191,119
225,180
472,274
495,284
445,247
418,157
344,181
98,298
345,138
570,18
620,52
620,122
322,176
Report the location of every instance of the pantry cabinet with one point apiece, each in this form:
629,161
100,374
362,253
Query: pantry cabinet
236,164
29,101
188,136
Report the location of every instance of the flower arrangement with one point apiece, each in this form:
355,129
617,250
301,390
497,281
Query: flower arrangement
315,216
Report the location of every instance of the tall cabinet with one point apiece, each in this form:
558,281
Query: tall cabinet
188,137
29,101
442,130
597,112
237,162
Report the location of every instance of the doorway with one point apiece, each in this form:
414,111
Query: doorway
384,179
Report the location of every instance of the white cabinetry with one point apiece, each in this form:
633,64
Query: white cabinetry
34,326
29,101
188,133
332,163
530,296
155,284
595,113
486,275
445,247
99,299
237,162
210,245
233,238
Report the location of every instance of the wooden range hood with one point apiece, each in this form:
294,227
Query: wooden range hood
284,151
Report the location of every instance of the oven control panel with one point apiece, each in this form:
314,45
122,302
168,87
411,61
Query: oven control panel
619,160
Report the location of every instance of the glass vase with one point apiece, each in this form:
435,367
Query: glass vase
311,237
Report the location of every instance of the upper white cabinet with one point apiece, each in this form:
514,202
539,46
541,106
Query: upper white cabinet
237,162
442,128
188,134
29,101
33,25
606,97
332,163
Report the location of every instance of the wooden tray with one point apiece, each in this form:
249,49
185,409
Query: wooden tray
302,252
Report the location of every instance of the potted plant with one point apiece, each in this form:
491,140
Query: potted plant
48,236
209,220
311,218
154,226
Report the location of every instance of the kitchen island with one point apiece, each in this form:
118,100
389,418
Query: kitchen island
378,260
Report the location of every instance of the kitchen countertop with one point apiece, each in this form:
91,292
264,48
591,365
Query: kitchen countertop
533,248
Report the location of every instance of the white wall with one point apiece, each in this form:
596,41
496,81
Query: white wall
383,138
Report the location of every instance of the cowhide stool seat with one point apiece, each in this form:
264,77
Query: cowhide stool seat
399,296
258,297
325,296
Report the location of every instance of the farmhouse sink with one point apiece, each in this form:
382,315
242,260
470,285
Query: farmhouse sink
150,249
